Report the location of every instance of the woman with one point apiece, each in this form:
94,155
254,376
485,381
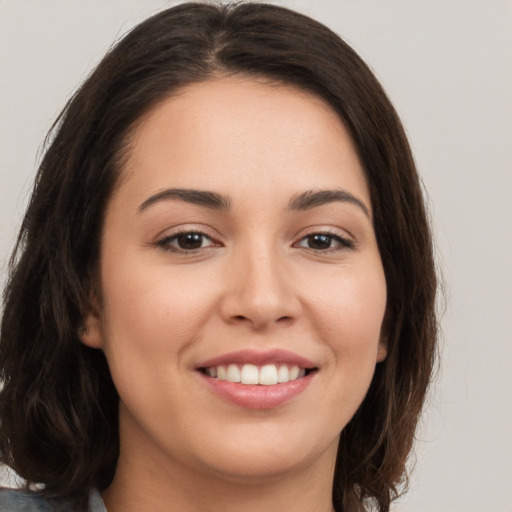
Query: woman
223,291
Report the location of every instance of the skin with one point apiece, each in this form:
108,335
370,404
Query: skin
259,281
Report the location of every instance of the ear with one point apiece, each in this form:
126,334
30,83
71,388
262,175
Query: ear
382,350
91,331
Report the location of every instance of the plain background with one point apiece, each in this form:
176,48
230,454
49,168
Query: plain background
447,67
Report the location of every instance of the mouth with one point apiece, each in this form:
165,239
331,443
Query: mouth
252,374
258,380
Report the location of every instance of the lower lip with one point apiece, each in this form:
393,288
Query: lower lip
258,396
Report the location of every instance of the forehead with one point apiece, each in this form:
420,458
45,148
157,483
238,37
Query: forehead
231,133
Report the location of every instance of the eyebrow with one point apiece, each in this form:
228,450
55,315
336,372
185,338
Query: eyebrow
200,197
314,198
213,200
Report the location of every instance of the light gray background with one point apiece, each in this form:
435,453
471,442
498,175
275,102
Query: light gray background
447,67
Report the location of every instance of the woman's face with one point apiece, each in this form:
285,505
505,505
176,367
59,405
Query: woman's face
239,246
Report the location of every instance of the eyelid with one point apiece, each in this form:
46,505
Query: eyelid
345,242
164,242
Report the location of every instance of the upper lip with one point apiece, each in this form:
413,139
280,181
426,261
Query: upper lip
276,356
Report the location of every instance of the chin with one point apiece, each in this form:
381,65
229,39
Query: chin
266,458
258,469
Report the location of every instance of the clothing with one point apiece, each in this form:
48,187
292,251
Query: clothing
14,500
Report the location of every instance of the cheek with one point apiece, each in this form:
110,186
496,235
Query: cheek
150,317
351,309
349,319
153,309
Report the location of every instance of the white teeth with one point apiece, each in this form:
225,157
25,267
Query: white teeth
221,372
266,375
249,374
283,375
294,372
233,373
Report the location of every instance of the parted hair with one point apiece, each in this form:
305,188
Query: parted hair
58,405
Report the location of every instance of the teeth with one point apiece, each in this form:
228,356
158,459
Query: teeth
233,373
283,374
249,374
221,372
266,375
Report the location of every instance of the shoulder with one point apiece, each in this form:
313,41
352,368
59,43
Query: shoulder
13,500
16,500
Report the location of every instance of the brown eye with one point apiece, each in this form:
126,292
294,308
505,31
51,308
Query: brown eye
320,241
186,242
324,242
189,241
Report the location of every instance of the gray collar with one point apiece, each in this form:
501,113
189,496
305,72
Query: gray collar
95,502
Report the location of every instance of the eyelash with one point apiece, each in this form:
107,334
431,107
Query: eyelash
166,243
343,243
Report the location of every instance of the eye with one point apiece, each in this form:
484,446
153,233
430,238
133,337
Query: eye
324,242
186,241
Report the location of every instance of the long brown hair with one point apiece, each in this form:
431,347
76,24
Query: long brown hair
58,405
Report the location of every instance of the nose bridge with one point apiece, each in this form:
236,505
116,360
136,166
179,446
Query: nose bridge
261,289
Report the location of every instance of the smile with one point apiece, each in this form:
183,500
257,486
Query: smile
251,374
258,380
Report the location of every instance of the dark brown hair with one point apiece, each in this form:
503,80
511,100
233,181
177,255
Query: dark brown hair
58,406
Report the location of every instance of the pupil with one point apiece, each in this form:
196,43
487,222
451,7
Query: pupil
190,241
319,242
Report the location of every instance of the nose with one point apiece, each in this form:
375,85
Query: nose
260,291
